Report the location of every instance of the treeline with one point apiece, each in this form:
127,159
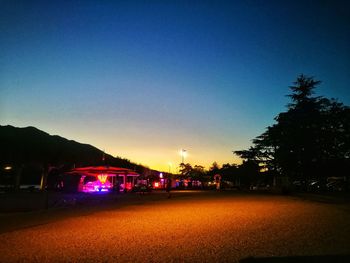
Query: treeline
308,143
231,174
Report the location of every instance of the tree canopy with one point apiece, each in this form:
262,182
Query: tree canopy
311,139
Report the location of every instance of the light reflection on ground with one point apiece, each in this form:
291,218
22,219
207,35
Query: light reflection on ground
196,226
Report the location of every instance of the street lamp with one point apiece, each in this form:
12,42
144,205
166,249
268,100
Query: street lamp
183,153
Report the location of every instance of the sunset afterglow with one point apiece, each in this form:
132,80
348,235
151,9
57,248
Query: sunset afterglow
144,80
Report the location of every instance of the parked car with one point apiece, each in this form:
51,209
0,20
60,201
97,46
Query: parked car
315,186
142,188
260,186
336,186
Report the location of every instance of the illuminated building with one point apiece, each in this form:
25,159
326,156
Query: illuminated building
105,178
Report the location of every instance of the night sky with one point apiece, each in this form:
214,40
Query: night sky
145,79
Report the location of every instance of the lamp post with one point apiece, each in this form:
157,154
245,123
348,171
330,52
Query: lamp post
183,152
170,164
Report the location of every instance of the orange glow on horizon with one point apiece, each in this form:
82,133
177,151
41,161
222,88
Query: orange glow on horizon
163,159
162,153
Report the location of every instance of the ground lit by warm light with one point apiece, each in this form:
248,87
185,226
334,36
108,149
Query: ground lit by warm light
200,227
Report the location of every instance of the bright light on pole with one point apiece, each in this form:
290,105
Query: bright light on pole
183,155
170,165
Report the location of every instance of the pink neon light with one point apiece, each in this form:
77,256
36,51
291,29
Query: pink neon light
100,185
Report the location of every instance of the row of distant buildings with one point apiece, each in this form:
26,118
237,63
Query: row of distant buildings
89,179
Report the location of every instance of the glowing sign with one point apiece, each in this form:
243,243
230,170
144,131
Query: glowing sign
102,178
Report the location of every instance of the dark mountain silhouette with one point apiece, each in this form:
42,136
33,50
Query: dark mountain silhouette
30,145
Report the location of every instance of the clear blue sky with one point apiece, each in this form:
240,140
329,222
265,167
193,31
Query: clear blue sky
144,79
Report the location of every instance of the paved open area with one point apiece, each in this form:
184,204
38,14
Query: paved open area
190,227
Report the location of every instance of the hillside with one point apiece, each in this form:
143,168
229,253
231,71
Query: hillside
31,145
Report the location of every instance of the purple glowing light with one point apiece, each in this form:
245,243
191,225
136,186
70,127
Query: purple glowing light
97,186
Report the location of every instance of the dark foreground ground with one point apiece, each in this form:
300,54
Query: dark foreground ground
189,227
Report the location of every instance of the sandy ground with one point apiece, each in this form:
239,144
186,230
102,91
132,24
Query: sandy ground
189,227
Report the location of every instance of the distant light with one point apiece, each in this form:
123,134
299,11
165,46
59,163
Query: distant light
156,184
161,175
8,167
264,169
183,152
